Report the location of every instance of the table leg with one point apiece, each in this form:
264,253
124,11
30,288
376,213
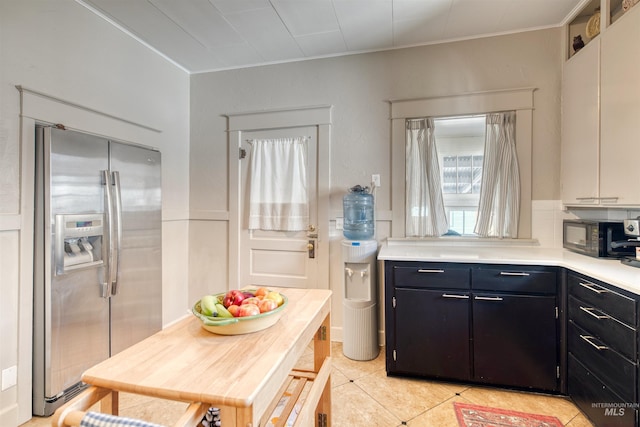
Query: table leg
111,403
322,350
228,415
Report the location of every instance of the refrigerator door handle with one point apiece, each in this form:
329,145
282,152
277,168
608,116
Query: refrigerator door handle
106,285
118,232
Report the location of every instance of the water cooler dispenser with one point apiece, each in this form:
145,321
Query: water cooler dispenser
360,308
359,253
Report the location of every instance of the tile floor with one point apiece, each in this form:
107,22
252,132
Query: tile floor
363,395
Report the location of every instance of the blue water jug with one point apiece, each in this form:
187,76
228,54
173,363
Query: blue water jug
358,214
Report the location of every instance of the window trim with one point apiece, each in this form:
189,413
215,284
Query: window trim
518,100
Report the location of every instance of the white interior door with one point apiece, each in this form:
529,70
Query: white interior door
279,258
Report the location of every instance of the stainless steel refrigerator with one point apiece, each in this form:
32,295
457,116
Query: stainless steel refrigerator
97,259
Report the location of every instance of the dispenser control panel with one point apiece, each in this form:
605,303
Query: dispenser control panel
78,241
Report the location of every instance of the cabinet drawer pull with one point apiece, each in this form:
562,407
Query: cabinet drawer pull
511,273
488,298
612,199
430,271
590,286
590,311
455,296
609,199
588,339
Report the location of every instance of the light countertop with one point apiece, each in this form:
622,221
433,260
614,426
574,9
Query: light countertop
608,270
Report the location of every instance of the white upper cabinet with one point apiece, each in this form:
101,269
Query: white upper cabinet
620,111
581,126
601,117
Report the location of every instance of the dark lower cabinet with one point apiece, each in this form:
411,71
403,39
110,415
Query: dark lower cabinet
603,351
442,321
528,327
515,340
596,399
433,329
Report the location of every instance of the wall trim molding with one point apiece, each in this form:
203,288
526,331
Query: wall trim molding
280,118
465,103
208,215
10,222
24,92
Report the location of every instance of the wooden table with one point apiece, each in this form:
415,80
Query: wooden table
243,375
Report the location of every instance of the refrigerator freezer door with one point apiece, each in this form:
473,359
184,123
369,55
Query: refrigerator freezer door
71,319
136,305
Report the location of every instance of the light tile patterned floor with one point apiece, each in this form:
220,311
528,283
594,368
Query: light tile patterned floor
363,395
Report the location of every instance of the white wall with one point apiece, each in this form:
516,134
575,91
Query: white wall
358,87
62,49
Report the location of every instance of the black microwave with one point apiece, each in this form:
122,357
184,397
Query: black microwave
594,238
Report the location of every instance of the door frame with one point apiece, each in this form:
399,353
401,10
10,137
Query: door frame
238,123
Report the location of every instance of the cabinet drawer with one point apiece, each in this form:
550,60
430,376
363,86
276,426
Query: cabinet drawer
620,336
587,391
618,372
509,278
604,299
441,276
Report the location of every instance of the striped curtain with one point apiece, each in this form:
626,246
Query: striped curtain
424,210
499,207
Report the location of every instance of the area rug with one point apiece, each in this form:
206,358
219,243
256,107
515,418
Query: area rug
481,416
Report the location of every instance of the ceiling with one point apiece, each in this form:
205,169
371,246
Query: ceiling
213,35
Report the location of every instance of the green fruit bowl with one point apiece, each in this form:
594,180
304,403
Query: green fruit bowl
239,325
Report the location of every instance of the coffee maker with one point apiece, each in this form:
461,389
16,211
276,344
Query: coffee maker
632,231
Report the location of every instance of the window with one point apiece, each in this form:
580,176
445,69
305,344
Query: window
460,144
467,104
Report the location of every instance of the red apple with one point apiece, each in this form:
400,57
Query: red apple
267,305
233,297
233,309
252,300
248,310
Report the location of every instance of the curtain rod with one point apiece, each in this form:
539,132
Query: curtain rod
251,140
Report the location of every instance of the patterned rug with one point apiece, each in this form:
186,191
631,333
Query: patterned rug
481,416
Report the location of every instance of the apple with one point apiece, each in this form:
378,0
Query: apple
252,300
233,297
275,296
262,292
233,309
267,305
248,310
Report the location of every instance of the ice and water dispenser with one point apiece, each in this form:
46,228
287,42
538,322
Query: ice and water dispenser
359,253
78,241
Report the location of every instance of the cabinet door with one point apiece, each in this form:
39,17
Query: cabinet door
581,126
620,98
515,340
432,333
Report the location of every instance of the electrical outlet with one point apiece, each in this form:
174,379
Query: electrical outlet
9,377
339,223
375,180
